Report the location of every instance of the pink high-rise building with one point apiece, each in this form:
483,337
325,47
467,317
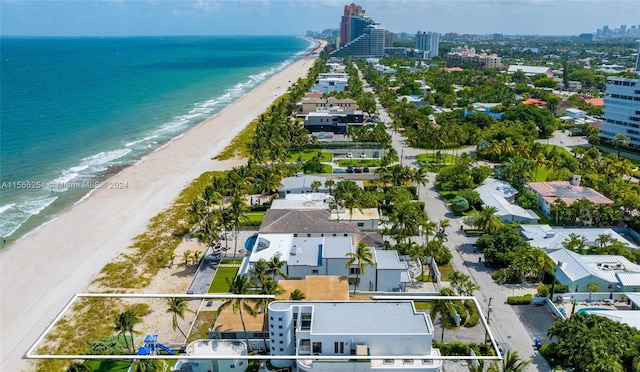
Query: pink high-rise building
345,23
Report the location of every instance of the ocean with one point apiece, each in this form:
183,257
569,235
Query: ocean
74,111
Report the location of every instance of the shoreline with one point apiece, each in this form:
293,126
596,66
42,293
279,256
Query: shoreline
80,188
41,271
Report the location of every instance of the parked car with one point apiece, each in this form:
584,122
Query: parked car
376,154
349,155
359,169
363,155
365,169
350,169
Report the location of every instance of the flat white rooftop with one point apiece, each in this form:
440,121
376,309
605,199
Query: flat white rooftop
216,347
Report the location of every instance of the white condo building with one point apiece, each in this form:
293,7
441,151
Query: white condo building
622,109
352,328
428,41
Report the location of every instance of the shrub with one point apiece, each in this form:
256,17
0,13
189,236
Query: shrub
545,289
472,197
459,204
520,300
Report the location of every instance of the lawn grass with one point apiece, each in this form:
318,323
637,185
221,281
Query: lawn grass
431,158
219,283
541,174
255,218
445,272
203,322
327,168
361,162
308,154
423,305
108,365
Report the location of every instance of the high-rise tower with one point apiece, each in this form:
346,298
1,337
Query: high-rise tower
428,41
351,10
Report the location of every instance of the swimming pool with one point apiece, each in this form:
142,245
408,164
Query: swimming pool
592,309
248,245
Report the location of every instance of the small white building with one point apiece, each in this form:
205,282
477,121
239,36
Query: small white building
301,184
531,70
233,349
548,238
501,195
576,271
575,113
310,201
331,82
352,328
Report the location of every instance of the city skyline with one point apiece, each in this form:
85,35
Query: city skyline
288,17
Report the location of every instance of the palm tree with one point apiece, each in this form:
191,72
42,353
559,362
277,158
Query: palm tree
275,265
260,271
510,363
237,210
329,184
456,279
123,324
593,287
239,286
267,287
361,257
467,288
79,367
443,224
620,140
177,306
487,220
446,309
186,255
315,185
296,295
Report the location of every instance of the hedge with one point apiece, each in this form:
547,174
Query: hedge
545,289
520,300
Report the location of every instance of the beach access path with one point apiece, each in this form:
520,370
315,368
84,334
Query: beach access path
42,271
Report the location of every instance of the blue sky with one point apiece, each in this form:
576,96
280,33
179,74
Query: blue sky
294,17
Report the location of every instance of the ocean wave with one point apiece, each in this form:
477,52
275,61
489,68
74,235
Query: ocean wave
104,157
6,207
145,139
18,213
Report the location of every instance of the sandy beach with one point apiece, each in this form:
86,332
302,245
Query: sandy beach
41,272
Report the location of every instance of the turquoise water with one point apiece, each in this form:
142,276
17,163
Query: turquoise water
76,110
592,309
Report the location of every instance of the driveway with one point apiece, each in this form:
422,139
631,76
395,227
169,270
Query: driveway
504,320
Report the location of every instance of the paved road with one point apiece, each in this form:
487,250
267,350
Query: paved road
504,321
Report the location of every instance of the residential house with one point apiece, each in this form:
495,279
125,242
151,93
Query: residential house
335,120
312,104
305,256
235,350
501,195
352,328
548,192
331,82
301,184
305,223
549,238
577,271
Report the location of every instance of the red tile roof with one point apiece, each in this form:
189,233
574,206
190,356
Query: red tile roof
595,101
533,101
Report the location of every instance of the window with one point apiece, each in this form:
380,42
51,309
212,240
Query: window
281,349
314,271
295,235
354,271
281,342
360,224
317,347
232,366
335,234
308,235
280,334
280,327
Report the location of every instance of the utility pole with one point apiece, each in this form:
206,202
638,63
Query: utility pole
486,332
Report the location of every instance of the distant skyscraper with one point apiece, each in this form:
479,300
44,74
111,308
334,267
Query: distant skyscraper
428,41
369,44
345,23
388,39
359,25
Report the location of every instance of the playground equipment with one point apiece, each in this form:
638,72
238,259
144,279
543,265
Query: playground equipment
152,346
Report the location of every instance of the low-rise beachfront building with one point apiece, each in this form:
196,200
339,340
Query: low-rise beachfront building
335,120
313,104
331,82
346,329
577,271
501,195
309,201
310,223
233,349
549,238
306,256
301,184
569,192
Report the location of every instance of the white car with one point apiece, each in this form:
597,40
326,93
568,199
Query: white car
349,155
